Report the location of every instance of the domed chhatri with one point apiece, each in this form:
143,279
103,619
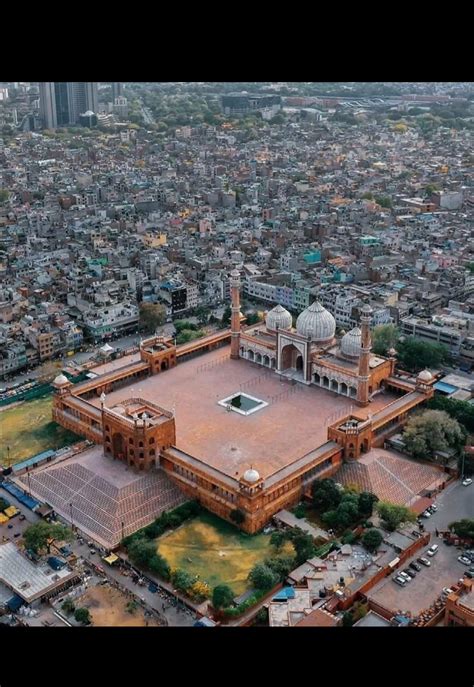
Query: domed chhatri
251,476
351,343
61,380
317,323
278,318
425,376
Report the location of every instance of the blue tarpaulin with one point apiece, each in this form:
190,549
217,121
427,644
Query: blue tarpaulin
445,388
26,500
285,594
29,462
15,603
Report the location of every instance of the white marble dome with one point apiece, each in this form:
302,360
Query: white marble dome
351,343
425,376
317,323
60,380
251,476
279,318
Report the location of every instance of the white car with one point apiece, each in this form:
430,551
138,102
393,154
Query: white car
404,576
466,482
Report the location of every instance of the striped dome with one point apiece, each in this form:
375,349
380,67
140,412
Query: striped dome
351,342
279,318
317,323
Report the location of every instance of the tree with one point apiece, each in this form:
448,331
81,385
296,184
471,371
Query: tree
151,316
303,544
366,503
325,494
431,431
3,504
262,577
347,619
383,201
462,411
225,321
463,528
252,318
384,337
68,607
158,565
141,551
39,535
237,516
222,596
372,539
82,616
4,195
277,539
182,580
416,355
393,515
282,566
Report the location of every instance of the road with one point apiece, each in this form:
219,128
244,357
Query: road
454,503
174,616
81,357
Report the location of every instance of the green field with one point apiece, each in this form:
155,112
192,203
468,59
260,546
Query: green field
28,429
215,550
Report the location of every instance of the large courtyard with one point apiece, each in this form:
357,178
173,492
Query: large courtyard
293,423
216,551
28,429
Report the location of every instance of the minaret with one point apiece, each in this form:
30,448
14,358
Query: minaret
364,357
235,318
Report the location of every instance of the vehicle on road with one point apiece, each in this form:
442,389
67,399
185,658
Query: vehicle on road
464,560
415,566
424,561
466,482
399,580
433,550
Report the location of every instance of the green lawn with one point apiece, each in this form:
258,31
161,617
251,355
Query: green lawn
215,550
28,429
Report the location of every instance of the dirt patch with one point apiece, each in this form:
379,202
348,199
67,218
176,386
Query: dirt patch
108,608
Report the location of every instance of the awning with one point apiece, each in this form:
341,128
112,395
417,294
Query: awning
110,559
3,518
11,511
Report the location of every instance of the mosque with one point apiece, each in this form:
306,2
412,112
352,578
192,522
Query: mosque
245,419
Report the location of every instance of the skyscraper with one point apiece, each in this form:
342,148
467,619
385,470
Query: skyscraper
117,90
48,105
62,103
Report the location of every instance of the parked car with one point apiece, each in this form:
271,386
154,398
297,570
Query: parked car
415,533
433,550
404,576
434,507
399,580
469,574
424,561
426,514
464,560
466,482
415,566
447,590
411,573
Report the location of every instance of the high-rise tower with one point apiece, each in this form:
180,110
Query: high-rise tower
48,105
364,358
235,317
62,103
